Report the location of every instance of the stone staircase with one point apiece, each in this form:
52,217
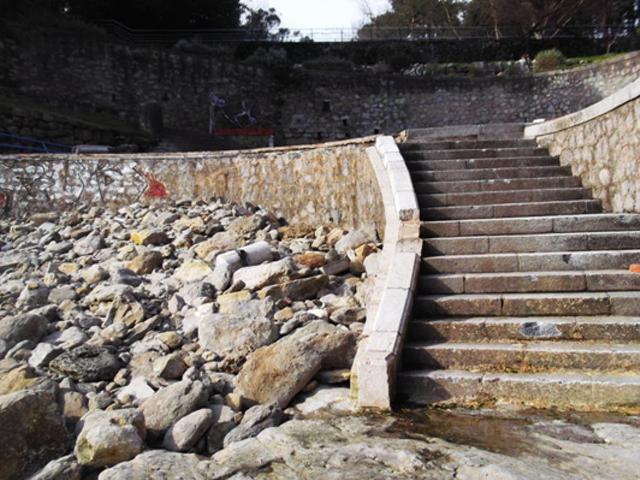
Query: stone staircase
525,294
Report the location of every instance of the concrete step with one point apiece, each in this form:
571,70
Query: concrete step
471,164
506,196
526,225
490,174
567,207
507,329
530,282
589,391
497,185
528,304
466,145
475,153
537,242
523,356
532,262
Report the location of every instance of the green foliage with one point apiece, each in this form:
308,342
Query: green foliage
547,60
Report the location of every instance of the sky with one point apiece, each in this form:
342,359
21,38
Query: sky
306,14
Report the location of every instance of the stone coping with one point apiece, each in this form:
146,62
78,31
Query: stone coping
198,154
379,354
603,107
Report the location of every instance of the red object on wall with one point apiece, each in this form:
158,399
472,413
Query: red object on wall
243,132
155,188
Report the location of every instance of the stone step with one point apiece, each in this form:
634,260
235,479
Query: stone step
475,153
530,282
498,185
532,243
528,304
589,391
532,262
490,174
567,207
466,145
482,163
523,356
506,329
525,225
506,196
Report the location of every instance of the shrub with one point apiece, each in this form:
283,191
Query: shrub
549,60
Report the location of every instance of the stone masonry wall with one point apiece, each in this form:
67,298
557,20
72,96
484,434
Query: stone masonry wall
302,106
311,186
605,152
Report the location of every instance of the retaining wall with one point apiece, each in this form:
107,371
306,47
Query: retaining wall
314,185
602,145
301,106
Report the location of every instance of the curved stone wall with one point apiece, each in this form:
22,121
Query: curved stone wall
602,146
314,185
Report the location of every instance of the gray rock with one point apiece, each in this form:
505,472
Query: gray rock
124,276
65,468
60,294
33,296
106,293
89,244
87,364
93,274
32,431
255,420
138,390
353,240
186,432
170,367
43,354
224,420
224,333
109,437
260,276
157,464
27,326
68,338
170,404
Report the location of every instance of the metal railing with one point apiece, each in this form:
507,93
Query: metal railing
11,141
369,33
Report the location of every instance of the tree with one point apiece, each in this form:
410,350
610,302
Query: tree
417,17
263,24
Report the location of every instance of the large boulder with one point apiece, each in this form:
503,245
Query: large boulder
109,437
170,404
225,334
32,431
156,464
276,373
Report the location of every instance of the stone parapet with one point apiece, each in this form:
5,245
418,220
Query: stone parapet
602,146
377,362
